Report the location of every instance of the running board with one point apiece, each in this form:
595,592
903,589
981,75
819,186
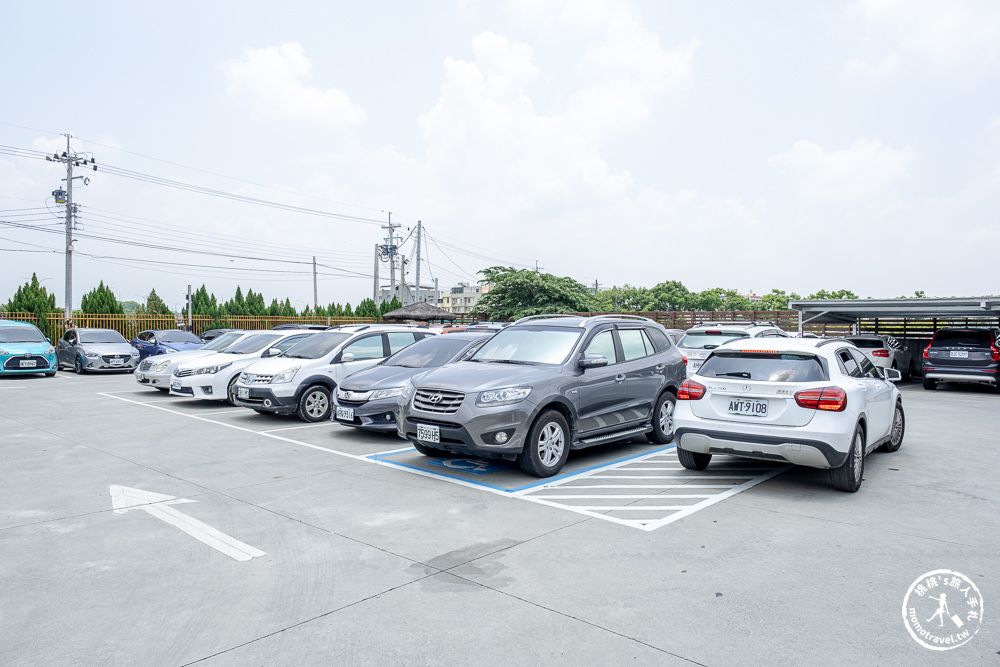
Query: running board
617,435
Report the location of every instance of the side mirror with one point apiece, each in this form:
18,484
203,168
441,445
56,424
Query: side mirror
273,352
347,356
593,361
892,375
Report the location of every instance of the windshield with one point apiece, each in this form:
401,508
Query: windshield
21,335
223,341
101,336
253,344
709,339
178,337
316,346
428,353
763,367
529,345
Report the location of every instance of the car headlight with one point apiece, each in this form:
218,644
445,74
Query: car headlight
391,392
135,352
51,350
505,396
285,376
160,367
89,353
211,370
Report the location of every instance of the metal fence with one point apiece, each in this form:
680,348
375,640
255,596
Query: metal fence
53,325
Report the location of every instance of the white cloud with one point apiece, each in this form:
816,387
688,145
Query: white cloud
866,169
951,33
857,68
274,80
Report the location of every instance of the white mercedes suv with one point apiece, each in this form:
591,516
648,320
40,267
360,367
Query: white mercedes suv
704,337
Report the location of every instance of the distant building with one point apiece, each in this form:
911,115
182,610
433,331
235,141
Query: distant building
407,293
754,298
463,298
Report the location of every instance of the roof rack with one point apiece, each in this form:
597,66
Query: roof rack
543,317
617,316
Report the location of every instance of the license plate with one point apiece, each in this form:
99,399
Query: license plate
176,386
242,392
347,415
28,363
959,354
695,365
428,433
748,407
117,362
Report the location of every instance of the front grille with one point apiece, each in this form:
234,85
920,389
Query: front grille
108,357
146,365
183,373
14,363
250,378
441,402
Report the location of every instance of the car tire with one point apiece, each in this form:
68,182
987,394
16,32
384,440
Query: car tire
929,384
78,366
693,460
314,404
547,447
663,419
429,451
896,431
230,393
848,477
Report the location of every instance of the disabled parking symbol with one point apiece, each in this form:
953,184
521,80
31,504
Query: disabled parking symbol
472,466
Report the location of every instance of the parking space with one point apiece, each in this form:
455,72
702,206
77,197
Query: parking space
140,528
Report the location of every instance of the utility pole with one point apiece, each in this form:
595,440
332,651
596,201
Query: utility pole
71,160
402,280
417,299
189,304
315,289
376,297
389,252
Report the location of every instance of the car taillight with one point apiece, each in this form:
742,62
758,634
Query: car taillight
927,352
684,357
690,391
996,353
880,353
824,398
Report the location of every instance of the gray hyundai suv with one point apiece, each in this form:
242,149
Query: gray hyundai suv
545,385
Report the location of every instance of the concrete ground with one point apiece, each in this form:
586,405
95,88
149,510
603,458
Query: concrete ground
250,539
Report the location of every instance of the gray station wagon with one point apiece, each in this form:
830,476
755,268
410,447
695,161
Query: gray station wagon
545,385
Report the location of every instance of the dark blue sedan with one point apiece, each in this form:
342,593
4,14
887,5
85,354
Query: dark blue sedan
164,341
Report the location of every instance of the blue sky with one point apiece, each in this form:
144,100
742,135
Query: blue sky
790,145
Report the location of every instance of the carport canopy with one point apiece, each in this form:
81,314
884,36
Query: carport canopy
850,311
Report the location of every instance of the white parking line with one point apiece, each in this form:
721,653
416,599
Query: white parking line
294,428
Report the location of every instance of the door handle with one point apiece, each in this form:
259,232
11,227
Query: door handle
660,367
619,378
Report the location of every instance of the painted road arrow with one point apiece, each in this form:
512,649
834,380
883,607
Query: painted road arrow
125,498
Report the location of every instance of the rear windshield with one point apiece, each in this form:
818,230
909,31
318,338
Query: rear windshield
178,337
529,345
252,344
709,339
101,336
866,343
21,335
316,346
962,339
763,367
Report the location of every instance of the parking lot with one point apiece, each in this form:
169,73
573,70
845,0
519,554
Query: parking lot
139,528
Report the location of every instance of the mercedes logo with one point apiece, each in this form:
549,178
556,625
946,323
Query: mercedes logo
434,398
745,387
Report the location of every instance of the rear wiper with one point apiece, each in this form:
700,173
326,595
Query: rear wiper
738,374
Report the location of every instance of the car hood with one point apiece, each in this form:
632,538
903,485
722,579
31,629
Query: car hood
26,348
469,376
107,348
380,377
208,359
275,365
179,347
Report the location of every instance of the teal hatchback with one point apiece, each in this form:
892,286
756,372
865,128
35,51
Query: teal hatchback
25,349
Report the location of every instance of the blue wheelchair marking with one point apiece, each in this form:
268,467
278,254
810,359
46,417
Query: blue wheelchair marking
485,467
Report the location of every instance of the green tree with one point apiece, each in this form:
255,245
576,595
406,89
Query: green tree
129,307
101,301
839,294
33,298
347,310
516,293
621,299
154,305
670,295
367,308
777,300
385,306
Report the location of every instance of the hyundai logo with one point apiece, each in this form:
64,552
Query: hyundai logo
434,399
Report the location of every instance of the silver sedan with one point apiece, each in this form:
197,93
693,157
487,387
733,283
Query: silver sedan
88,350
